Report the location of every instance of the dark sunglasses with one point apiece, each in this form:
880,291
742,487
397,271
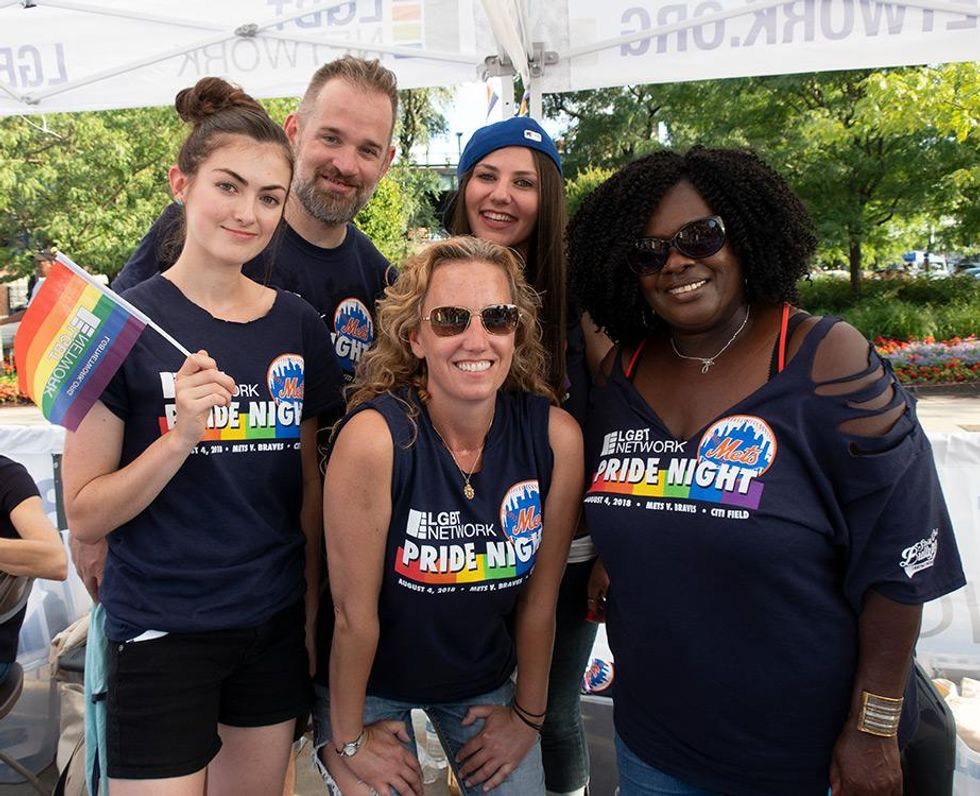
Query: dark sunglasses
700,238
496,319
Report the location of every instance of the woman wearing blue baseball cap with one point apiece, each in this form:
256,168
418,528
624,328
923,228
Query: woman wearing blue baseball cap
511,192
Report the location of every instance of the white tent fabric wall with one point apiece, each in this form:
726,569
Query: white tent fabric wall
100,54
72,55
620,42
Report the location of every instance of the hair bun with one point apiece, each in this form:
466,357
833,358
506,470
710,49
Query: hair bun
208,96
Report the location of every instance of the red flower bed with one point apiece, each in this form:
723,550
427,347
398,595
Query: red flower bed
927,361
9,394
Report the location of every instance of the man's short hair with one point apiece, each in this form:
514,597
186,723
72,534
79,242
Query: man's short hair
368,75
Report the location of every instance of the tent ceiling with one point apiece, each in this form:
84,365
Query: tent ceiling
97,54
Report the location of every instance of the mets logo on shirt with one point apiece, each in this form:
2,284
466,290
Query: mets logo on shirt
285,379
520,519
353,332
743,441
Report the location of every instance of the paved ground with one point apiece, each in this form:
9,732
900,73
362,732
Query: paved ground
953,410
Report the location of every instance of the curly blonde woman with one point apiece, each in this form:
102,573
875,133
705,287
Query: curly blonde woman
449,506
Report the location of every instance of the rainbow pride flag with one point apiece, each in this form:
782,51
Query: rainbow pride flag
72,339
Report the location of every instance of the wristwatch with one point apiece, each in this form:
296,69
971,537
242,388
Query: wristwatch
351,748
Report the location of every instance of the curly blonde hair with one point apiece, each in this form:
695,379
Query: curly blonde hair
390,364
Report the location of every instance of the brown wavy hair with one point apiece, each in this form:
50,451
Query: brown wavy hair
390,364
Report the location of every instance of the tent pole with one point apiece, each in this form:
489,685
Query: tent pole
535,108
507,96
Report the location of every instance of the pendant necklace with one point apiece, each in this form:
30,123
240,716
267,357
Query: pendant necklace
468,492
707,362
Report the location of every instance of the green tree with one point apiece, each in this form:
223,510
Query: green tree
582,184
868,149
91,184
420,117
420,190
609,127
87,183
385,219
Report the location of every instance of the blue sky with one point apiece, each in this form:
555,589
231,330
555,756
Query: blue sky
466,115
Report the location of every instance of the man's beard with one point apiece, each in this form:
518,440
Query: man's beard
326,207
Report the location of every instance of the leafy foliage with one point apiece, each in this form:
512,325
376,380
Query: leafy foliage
420,117
917,308
420,190
87,183
91,184
385,218
582,184
609,127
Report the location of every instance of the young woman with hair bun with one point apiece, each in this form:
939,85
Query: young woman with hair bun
201,475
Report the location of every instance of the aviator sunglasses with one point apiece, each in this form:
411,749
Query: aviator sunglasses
496,319
699,238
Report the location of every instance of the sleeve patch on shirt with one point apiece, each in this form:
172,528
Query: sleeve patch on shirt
921,555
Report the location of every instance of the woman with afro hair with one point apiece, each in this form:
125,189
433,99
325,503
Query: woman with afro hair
760,493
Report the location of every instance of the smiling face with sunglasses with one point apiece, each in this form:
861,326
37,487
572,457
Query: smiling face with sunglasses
467,331
687,272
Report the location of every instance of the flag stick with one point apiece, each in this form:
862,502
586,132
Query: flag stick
67,262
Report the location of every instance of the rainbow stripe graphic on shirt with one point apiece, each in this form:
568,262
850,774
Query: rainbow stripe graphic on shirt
441,549
262,421
452,564
249,416
731,455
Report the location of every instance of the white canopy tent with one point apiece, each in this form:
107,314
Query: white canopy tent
73,55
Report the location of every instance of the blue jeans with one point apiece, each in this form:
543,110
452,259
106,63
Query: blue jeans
637,778
447,719
564,746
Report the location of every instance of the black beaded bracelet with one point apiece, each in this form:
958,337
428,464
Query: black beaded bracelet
536,727
528,713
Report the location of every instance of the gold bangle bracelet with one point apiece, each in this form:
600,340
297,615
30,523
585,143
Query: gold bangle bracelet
879,715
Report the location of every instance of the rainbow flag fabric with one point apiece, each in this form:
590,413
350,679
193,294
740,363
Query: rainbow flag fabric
72,339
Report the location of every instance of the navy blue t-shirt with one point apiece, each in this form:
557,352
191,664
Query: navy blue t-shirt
575,399
16,486
738,561
342,284
454,567
221,546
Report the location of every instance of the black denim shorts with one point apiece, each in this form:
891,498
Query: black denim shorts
167,695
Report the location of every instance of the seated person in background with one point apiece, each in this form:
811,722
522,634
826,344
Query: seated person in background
29,547
44,259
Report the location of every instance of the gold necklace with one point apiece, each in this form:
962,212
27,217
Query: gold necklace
468,490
